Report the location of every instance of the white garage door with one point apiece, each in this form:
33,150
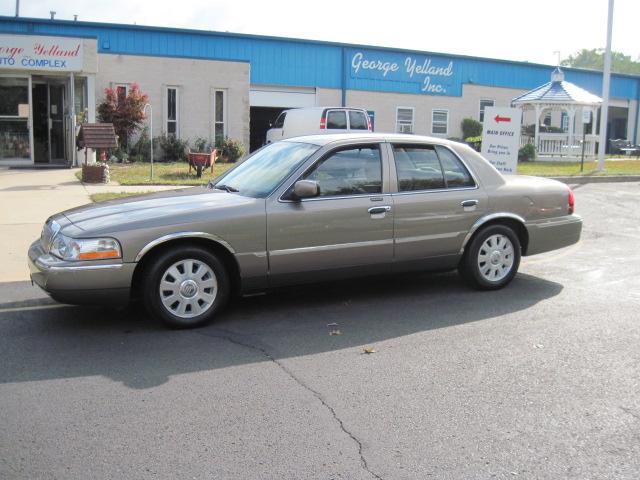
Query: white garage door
282,97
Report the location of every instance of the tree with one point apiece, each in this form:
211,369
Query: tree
125,112
594,59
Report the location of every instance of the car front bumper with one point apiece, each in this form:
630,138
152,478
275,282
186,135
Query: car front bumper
553,233
88,282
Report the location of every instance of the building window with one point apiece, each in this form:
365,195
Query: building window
547,120
219,115
404,120
122,90
439,122
484,104
172,111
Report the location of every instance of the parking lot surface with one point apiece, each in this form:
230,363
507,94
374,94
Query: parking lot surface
539,380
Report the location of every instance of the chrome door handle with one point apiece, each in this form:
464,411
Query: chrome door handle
381,209
469,203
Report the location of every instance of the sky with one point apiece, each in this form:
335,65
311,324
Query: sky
524,30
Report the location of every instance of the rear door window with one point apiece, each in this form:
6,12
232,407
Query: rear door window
456,174
357,120
336,119
417,168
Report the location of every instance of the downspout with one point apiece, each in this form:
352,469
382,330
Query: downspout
343,80
637,127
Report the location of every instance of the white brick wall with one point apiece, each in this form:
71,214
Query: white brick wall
196,80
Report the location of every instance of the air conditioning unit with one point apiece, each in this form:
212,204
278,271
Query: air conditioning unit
405,128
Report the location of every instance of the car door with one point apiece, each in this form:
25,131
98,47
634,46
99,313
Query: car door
346,230
436,203
276,131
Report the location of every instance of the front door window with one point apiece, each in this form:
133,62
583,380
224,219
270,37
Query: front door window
48,122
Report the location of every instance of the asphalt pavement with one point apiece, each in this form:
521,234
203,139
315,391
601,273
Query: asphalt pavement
540,380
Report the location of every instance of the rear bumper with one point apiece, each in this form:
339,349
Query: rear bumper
80,282
553,233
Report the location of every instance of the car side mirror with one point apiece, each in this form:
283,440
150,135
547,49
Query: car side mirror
305,189
270,124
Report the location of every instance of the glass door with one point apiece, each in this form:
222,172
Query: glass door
49,129
14,120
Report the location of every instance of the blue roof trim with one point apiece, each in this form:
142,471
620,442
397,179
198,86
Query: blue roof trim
211,59
310,63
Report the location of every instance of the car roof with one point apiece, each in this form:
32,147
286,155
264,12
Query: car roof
324,108
325,139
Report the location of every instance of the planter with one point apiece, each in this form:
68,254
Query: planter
98,173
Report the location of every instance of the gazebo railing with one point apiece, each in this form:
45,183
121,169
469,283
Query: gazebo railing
559,145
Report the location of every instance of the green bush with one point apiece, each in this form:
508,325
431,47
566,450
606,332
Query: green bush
201,144
231,150
474,142
527,153
140,151
172,147
471,128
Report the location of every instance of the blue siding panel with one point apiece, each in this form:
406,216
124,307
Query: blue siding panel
308,63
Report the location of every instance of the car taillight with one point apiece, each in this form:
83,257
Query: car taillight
572,202
323,123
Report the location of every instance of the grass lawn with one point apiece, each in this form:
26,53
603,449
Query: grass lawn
173,173
562,169
101,197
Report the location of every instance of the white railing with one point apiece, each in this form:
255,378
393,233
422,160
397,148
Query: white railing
558,145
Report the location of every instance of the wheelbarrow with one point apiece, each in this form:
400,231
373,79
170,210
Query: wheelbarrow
199,160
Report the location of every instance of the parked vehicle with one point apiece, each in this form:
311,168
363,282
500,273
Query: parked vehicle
303,210
318,120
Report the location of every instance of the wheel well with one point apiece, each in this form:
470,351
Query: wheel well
225,256
517,226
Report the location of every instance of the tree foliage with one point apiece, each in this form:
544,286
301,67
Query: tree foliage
125,112
594,59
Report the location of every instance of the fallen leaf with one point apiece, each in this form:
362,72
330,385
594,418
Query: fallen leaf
335,332
369,350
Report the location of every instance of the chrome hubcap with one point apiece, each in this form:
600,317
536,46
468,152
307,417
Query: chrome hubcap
188,288
495,258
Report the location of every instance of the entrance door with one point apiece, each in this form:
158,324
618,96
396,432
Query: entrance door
48,123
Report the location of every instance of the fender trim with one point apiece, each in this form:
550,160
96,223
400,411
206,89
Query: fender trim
177,235
488,218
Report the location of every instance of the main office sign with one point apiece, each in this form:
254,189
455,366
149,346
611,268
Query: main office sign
501,138
22,52
413,73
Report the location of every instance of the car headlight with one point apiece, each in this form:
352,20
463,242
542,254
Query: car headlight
67,248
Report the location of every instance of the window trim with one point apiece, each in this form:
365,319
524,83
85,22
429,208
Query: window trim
394,185
166,110
445,110
481,111
324,156
413,119
225,118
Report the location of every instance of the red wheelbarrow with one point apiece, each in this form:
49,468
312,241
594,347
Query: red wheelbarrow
199,161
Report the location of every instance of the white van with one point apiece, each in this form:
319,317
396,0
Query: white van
314,120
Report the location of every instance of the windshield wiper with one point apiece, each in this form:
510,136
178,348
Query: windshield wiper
227,188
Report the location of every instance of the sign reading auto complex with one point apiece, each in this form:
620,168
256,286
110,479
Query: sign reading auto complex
41,53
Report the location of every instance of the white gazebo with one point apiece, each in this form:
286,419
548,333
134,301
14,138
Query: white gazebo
560,96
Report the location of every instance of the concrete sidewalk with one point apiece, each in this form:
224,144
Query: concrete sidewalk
27,199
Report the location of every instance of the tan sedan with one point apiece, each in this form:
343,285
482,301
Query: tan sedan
305,210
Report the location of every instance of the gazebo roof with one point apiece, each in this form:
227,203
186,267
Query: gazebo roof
558,91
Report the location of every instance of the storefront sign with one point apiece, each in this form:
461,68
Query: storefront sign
501,138
22,52
431,75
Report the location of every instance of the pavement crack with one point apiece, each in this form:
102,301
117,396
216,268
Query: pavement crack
232,338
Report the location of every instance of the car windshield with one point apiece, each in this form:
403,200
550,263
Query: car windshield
263,171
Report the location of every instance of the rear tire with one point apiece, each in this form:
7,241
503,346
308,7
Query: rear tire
492,258
185,287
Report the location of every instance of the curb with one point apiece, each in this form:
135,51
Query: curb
597,179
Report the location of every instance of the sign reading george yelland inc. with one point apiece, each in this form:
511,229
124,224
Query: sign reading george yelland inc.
22,52
501,138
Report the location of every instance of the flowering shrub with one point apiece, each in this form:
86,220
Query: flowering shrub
125,112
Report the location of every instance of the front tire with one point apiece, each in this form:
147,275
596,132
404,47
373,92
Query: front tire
185,287
492,258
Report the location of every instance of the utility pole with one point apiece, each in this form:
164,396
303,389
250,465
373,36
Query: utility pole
606,77
17,8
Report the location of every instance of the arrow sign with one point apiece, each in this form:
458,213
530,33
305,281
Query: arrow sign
499,119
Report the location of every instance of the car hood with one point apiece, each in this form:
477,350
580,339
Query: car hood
153,209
